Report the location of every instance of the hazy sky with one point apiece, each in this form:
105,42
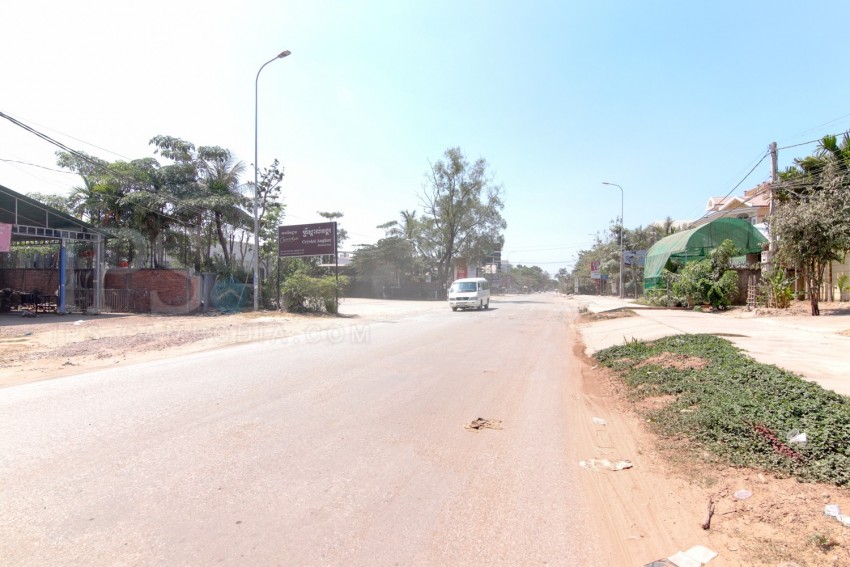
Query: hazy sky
674,101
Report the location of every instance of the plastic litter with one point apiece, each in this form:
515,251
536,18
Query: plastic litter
701,554
696,556
481,423
742,494
680,559
596,464
797,438
833,511
599,421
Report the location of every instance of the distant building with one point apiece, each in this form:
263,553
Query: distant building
753,207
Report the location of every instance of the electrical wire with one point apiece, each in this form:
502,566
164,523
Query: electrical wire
36,165
767,153
102,166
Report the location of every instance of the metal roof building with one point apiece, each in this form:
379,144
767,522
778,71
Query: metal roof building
23,219
696,243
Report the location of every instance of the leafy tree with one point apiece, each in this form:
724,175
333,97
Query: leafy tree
188,206
58,202
147,200
341,233
271,214
103,200
532,278
710,280
271,207
209,189
462,212
812,231
409,228
219,179
390,262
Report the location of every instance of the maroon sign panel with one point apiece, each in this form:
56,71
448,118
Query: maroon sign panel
5,237
317,239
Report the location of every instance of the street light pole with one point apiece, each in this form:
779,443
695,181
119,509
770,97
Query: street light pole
622,231
280,55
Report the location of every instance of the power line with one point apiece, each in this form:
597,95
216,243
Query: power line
815,128
36,165
767,153
100,165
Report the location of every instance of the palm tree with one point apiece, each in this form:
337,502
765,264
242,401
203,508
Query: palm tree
219,177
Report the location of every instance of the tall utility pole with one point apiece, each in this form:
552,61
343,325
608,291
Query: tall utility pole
622,231
280,55
774,178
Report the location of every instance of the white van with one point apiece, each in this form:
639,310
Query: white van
469,293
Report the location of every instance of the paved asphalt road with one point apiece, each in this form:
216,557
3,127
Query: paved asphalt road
344,447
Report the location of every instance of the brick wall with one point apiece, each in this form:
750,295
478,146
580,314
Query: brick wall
169,291
160,291
29,280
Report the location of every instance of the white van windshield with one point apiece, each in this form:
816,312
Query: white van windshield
466,286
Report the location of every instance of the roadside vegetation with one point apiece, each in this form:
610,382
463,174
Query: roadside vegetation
703,389
303,293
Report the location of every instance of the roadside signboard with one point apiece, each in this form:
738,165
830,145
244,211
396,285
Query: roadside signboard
461,270
594,270
634,257
315,239
5,237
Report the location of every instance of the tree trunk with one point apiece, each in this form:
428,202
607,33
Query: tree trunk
829,294
222,240
198,244
814,289
443,276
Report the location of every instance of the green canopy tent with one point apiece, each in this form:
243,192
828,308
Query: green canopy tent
696,243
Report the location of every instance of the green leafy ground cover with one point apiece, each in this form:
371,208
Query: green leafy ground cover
741,410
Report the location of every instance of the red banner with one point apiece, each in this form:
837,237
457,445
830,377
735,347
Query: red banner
462,270
5,237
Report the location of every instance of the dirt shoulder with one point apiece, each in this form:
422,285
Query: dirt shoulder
52,346
758,519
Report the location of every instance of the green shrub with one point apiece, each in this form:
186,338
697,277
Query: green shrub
303,293
776,288
843,283
710,281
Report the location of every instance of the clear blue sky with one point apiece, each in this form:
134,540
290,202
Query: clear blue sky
674,101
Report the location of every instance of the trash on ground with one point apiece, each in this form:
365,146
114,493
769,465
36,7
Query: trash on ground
797,438
599,421
80,322
597,464
833,511
742,494
709,512
482,423
696,556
